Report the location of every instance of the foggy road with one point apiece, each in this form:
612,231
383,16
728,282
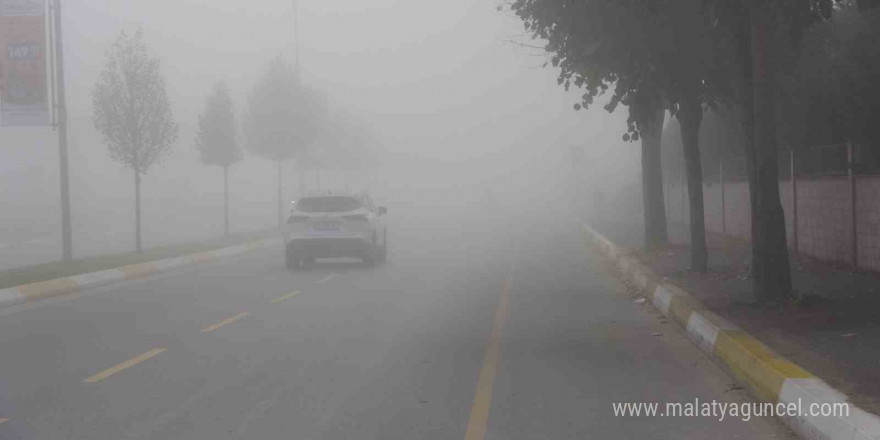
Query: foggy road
409,350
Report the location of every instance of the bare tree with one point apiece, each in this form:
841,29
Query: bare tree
282,117
216,139
132,112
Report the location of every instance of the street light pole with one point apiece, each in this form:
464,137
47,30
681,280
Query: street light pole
66,240
303,161
296,36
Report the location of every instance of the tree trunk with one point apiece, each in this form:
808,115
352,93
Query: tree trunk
226,200
771,274
652,184
137,211
689,116
280,203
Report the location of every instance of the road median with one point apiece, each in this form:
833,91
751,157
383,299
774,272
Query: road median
768,376
77,282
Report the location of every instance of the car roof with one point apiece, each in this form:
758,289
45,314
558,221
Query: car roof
335,194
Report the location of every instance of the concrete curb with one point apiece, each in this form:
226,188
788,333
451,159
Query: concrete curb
25,293
767,376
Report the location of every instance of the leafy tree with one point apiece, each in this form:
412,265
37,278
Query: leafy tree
282,117
652,56
828,96
864,5
216,139
755,39
343,145
132,113
693,54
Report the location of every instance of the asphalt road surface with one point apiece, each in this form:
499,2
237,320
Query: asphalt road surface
469,332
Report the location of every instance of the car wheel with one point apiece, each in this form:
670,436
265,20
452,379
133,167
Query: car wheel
292,261
383,251
372,253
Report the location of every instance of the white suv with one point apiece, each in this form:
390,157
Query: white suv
336,225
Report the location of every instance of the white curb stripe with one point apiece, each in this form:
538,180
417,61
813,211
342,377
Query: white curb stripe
703,327
662,299
641,279
97,278
170,263
858,425
226,252
10,297
702,332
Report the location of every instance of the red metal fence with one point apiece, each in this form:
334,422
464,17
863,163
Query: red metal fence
832,205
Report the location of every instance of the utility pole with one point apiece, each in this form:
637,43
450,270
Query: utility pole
296,36
66,240
302,168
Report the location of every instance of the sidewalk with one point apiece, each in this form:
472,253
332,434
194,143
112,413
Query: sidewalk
834,332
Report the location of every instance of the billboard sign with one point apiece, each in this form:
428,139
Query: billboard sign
24,97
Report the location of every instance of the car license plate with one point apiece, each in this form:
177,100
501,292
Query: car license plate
326,226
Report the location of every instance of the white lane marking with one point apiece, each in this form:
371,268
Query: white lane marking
327,278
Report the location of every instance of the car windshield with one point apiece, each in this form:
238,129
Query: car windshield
328,204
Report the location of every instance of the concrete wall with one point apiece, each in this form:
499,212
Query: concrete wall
868,221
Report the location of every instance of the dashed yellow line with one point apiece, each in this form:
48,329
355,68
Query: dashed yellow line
476,428
229,320
283,297
122,366
327,278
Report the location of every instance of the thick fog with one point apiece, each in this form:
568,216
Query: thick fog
456,111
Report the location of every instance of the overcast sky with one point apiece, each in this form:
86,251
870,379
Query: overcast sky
450,101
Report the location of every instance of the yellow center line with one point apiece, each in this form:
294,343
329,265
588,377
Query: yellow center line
283,297
127,364
476,428
229,320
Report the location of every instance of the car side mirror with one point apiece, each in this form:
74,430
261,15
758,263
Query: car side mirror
383,210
